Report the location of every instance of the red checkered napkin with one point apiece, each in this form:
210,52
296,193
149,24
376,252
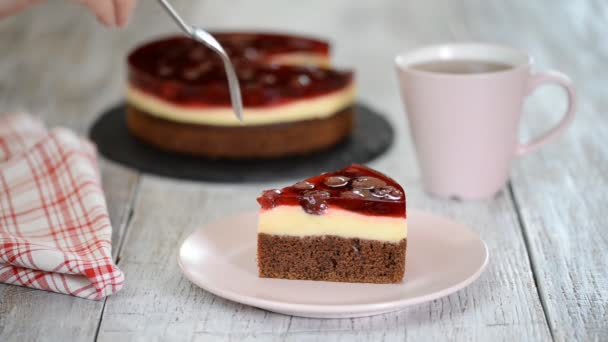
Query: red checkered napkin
54,226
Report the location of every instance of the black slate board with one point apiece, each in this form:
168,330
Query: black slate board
372,136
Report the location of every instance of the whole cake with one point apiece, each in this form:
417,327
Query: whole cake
178,98
348,226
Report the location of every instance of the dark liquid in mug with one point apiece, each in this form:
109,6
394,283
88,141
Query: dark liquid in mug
461,66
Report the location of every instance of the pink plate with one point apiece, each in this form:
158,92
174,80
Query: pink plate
442,258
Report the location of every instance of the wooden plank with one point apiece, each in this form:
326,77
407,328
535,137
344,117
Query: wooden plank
562,201
561,191
61,69
158,303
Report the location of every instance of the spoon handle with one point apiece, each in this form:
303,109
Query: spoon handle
204,37
176,17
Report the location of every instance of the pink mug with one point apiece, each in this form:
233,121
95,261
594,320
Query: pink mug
464,123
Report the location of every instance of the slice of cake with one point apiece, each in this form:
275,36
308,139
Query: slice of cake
178,98
348,226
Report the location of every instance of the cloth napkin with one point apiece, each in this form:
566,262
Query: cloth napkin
55,232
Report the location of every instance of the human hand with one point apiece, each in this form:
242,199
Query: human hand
108,12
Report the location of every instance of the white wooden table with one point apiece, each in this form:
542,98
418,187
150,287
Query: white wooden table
547,232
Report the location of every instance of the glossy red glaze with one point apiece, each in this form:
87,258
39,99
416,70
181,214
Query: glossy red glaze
267,43
182,71
355,188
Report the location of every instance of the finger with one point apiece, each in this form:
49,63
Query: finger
15,7
123,10
103,9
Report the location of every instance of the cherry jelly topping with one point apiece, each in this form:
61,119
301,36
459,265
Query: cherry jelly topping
269,197
355,188
366,182
336,181
304,185
182,71
355,193
388,192
255,43
314,201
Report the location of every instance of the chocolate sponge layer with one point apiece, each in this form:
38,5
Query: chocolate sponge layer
331,258
240,142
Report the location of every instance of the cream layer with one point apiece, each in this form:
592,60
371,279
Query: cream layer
294,221
307,109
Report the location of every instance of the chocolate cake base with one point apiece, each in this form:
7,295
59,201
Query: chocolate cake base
331,258
240,142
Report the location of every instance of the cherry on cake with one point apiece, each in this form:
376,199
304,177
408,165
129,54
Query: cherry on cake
275,48
345,226
178,98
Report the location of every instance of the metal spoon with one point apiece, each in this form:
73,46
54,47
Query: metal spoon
204,37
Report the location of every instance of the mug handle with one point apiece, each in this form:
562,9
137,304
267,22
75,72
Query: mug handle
535,81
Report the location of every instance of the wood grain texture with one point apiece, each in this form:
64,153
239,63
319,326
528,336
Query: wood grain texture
562,190
166,306
158,303
66,69
65,76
